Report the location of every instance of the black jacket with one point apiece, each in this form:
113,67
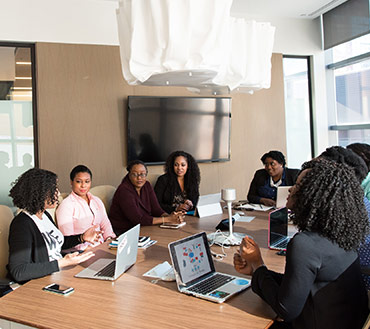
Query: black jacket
165,193
260,178
28,254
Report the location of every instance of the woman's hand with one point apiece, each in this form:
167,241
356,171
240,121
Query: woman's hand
93,234
268,202
175,217
241,265
250,253
74,258
186,206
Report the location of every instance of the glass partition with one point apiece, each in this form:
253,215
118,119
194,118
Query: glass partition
17,147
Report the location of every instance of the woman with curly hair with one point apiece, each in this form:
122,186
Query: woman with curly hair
178,188
35,243
363,150
322,285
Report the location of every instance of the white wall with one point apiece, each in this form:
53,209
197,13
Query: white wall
62,21
94,22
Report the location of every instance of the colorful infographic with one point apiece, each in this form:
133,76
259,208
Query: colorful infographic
192,259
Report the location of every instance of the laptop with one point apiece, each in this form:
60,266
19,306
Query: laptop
281,196
195,272
111,269
278,229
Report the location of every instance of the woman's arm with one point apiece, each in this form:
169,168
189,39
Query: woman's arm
163,194
289,297
23,247
64,217
103,220
253,196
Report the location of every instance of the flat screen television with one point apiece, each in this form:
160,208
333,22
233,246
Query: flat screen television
158,126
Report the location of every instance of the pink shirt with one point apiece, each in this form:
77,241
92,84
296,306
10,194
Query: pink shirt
74,216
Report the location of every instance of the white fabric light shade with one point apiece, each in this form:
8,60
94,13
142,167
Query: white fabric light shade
194,44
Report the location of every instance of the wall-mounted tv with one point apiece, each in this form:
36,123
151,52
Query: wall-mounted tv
158,126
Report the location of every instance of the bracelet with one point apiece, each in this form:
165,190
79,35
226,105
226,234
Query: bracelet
81,238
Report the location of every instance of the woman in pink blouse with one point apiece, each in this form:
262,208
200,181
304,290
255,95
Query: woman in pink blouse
81,210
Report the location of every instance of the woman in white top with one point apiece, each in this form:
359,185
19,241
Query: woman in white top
35,243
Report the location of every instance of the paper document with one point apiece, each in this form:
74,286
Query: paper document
162,271
258,207
243,219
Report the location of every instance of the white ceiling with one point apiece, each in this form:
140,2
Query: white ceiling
307,9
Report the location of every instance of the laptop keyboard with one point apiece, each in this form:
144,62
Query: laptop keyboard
210,284
107,270
282,243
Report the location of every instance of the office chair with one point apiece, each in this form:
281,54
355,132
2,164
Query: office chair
104,193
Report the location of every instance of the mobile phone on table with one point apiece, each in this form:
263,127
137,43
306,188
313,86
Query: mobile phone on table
58,289
172,225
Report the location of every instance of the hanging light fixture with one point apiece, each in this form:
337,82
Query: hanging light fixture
195,44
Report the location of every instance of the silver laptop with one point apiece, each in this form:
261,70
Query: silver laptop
278,229
195,272
111,269
281,196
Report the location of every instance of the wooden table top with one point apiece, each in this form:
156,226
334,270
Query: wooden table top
134,301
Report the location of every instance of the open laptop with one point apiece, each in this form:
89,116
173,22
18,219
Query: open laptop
195,272
278,229
111,269
281,196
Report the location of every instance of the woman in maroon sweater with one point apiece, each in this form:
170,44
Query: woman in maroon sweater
136,203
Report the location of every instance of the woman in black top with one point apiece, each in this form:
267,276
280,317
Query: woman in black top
178,188
35,243
322,285
263,188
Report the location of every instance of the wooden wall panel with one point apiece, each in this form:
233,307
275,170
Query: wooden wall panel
82,118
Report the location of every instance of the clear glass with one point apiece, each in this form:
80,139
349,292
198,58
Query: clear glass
297,111
351,48
346,137
16,117
352,90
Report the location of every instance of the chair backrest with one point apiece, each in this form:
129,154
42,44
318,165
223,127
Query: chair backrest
104,193
6,216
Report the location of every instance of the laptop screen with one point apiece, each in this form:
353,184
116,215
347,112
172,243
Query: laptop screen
278,225
191,257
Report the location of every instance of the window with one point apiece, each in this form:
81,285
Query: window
17,143
297,110
349,69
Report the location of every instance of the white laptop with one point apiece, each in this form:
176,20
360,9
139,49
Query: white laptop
111,269
281,196
195,272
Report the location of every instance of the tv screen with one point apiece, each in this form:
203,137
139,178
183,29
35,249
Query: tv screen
158,126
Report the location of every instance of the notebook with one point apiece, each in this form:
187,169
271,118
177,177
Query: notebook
111,269
278,229
281,196
195,272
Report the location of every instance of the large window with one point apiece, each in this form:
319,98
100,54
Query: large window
297,110
17,130
349,74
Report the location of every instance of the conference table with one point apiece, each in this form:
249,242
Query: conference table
135,301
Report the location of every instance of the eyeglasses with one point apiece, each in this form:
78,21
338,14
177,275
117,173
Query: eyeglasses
136,175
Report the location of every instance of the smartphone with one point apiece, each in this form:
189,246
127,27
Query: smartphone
172,225
58,289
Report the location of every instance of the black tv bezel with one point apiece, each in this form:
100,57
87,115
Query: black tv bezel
183,97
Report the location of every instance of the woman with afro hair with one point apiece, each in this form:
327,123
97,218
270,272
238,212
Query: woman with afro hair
178,188
35,243
322,285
